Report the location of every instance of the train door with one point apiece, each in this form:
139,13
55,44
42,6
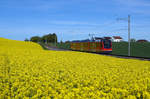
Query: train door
106,43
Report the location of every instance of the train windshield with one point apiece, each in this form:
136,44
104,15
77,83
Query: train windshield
107,43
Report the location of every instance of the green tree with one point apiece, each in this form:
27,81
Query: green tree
50,38
36,39
54,37
44,39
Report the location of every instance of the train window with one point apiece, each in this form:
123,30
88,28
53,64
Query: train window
107,43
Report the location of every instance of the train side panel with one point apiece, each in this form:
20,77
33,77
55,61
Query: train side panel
97,47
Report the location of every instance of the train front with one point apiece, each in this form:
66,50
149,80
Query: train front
106,46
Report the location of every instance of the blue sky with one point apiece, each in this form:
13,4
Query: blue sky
73,19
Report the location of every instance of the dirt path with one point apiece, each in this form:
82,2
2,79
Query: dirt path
55,48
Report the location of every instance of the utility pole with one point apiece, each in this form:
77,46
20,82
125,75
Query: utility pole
91,36
129,43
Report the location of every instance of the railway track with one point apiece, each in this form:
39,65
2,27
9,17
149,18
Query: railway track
113,55
119,56
128,57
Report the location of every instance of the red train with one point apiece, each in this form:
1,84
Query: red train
100,46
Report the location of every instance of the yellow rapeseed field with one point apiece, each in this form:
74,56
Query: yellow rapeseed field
28,71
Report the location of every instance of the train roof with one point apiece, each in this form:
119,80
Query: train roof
82,41
96,40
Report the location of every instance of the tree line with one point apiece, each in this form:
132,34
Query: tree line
49,38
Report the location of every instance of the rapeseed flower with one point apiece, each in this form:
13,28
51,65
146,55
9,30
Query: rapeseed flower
27,71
